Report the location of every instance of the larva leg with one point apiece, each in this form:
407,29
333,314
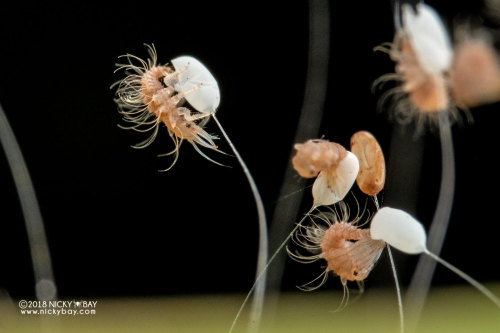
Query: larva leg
172,78
177,98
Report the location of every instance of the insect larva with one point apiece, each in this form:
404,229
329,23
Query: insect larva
335,167
423,54
152,94
148,96
348,249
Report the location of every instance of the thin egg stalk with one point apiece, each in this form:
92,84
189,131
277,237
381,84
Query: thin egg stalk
330,162
347,248
202,93
371,176
425,55
332,185
402,231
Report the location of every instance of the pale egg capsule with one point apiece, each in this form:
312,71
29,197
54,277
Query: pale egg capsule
371,176
197,83
332,185
402,231
399,229
428,37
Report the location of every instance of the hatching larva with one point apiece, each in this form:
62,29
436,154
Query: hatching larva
436,78
147,97
423,55
335,167
314,156
371,176
348,249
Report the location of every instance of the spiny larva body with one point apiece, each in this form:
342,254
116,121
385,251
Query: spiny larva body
349,250
423,55
148,96
436,77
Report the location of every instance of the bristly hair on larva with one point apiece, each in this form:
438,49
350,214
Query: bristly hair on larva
423,58
347,248
146,98
335,168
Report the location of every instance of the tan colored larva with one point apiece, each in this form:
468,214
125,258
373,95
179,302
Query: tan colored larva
436,77
146,98
371,176
423,55
335,168
427,91
314,156
348,249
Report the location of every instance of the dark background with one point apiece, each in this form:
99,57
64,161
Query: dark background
118,227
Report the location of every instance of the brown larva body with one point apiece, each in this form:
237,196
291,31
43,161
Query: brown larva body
314,156
475,73
371,176
146,99
151,84
349,251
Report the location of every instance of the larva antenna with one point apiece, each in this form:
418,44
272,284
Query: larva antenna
262,273
400,230
204,96
398,289
45,286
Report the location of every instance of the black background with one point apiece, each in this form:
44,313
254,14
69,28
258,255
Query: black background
118,227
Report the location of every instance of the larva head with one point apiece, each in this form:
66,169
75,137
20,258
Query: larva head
333,184
199,85
399,229
371,176
428,37
317,155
